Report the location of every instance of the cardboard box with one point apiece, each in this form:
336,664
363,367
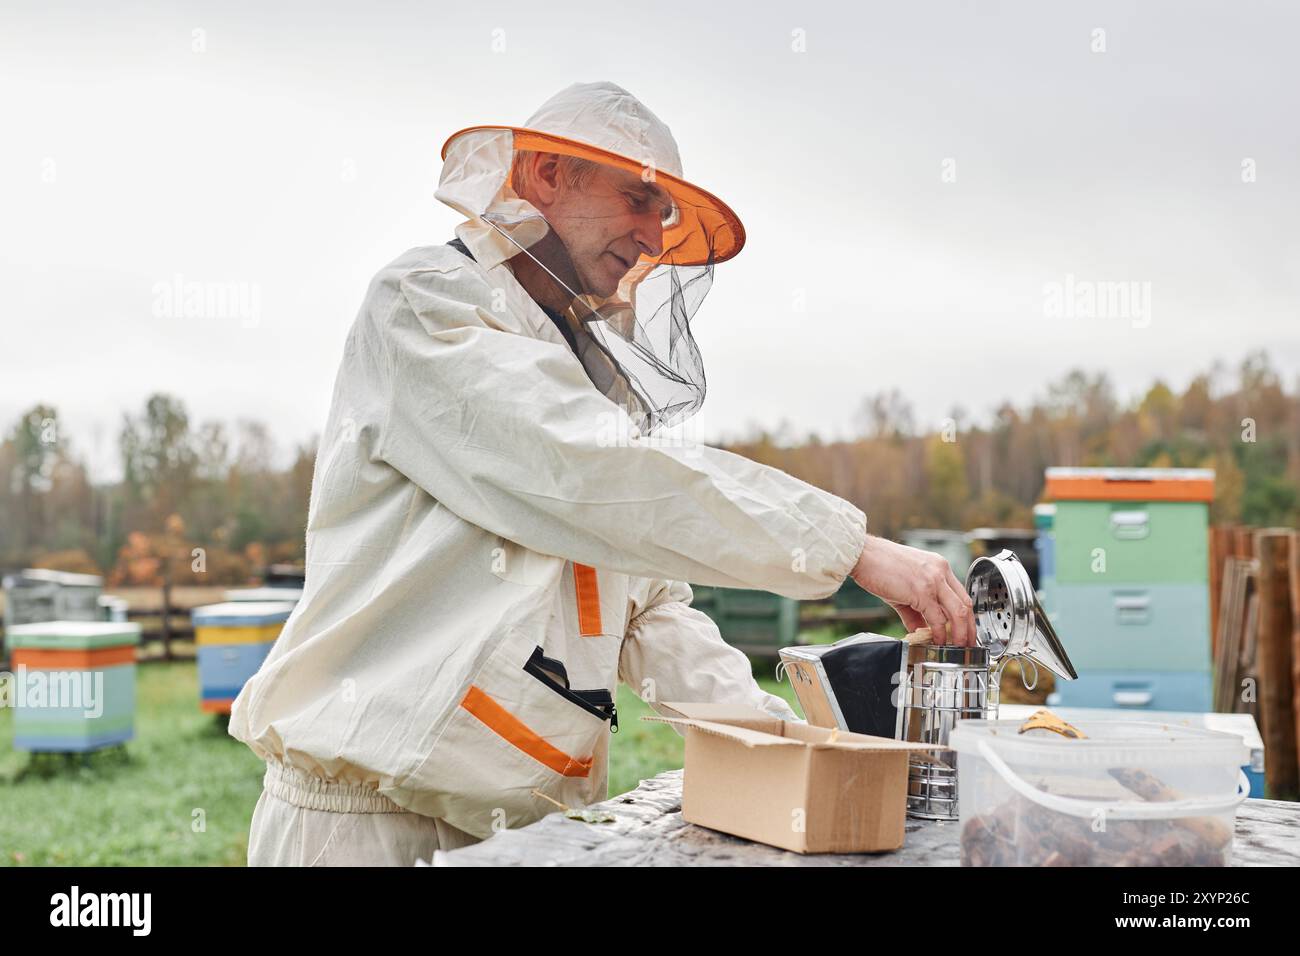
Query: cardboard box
791,785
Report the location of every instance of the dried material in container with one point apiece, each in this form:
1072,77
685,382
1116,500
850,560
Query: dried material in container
1019,832
1151,788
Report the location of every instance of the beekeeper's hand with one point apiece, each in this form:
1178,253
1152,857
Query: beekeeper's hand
920,586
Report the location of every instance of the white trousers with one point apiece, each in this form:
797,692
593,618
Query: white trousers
305,820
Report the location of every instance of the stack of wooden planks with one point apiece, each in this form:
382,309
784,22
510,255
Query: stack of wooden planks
1235,676
1256,597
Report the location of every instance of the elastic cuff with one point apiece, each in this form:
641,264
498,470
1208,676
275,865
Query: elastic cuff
307,790
850,542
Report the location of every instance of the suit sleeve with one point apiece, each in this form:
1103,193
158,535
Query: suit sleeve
674,652
507,431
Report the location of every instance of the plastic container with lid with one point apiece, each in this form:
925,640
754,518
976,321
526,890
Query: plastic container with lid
1129,794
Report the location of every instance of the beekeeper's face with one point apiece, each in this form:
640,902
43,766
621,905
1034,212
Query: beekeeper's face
607,217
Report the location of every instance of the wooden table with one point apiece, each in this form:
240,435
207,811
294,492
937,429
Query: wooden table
648,830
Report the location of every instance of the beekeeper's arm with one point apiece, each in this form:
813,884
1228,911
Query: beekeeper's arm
507,432
674,652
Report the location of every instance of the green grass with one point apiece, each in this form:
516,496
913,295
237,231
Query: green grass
180,794
143,804
642,749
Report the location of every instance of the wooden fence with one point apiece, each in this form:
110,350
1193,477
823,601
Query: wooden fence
1255,602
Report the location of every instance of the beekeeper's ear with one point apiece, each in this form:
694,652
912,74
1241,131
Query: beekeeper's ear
544,178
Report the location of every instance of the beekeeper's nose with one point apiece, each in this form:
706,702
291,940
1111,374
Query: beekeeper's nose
648,233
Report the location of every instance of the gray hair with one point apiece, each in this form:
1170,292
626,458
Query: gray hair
574,171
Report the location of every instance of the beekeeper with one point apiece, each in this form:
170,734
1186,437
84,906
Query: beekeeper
499,529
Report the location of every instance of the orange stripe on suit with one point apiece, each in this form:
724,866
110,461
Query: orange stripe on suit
514,730
588,591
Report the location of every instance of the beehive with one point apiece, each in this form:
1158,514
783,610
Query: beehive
74,684
1131,585
233,639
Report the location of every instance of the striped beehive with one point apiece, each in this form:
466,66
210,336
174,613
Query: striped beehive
233,639
74,684
1130,596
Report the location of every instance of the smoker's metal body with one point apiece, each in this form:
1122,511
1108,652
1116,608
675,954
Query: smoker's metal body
942,685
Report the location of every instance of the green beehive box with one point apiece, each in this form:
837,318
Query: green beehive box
1126,542
1130,526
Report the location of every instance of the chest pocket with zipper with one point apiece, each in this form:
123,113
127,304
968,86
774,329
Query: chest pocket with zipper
597,702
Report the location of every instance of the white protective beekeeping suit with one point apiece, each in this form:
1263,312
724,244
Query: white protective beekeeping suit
493,543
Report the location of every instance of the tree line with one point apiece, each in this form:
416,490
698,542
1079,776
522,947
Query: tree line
207,503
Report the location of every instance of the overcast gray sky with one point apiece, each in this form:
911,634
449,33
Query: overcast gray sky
931,180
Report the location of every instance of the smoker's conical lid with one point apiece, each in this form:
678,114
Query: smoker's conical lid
1009,621
1046,648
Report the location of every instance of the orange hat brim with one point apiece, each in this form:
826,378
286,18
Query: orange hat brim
708,230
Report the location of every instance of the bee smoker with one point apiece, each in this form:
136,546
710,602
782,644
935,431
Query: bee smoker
944,684
907,690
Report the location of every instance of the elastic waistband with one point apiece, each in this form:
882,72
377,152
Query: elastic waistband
304,789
